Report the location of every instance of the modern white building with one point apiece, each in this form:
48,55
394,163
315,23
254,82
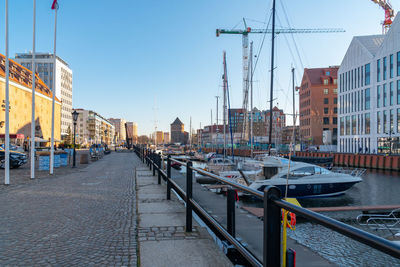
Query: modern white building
369,94
44,68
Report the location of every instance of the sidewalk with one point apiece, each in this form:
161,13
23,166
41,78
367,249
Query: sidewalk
161,229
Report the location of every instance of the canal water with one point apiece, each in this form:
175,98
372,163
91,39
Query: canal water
377,188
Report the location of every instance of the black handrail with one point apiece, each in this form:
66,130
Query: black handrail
272,215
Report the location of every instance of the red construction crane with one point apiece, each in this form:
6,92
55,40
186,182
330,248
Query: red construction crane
389,14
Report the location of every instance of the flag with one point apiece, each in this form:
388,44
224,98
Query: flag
54,5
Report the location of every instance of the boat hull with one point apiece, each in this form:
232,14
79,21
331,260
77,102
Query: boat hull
313,190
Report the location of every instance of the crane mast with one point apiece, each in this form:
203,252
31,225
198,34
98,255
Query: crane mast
389,14
245,57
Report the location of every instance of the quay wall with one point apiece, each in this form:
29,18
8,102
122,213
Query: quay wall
369,161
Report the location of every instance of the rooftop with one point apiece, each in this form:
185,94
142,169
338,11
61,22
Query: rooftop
23,76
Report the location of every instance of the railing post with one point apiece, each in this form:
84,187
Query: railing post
153,158
230,211
159,167
272,228
189,186
168,177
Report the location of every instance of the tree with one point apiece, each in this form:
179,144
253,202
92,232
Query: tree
143,139
68,138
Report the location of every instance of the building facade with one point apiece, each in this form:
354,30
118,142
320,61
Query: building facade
159,136
177,132
318,105
120,132
20,102
166,138
369,94
92,128
63,82
132,131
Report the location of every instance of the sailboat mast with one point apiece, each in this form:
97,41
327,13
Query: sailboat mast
272,77
294,116
251,99
224,88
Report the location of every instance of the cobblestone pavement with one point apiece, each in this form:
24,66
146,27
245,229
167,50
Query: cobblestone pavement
84,218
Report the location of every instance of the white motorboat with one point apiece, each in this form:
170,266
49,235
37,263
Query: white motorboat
304,179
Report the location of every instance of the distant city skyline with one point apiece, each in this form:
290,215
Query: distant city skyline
169,51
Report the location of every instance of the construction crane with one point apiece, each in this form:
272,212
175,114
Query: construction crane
245,54
389,14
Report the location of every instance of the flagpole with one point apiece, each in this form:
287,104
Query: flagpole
33,93
54,93
7,111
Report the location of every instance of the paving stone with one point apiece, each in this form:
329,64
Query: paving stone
80,217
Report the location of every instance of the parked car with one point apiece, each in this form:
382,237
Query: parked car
17,159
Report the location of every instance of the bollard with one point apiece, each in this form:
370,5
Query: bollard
189,185
290,257
272,228
159,167
169,177
230,211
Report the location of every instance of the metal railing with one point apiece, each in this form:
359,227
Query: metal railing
272,213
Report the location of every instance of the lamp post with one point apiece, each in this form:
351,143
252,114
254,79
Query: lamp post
75,118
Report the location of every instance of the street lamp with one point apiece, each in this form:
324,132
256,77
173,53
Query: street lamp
75,118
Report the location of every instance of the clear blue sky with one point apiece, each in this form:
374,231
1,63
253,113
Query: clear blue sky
157,59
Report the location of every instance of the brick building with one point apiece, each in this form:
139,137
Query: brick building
318,105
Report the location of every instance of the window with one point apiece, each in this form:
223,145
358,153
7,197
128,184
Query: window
325,81
335,100
347,125
326,120
384,95
335,110
326,100
326,110
391,121
367,77
353,124
326,91
398,63
334,81
398,92
398,120
342,125
334,120
327,73
378,122
385,117
352,79
367,123
378,96
378,70
335,91
362,100
391,66
384,68
362,76
391,94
